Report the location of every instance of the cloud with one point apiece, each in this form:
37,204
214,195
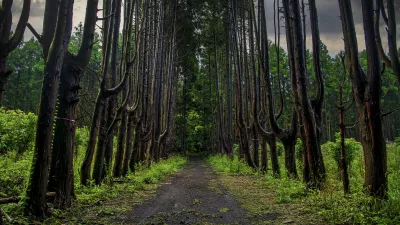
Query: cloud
330,26
37,13
37,8
328,11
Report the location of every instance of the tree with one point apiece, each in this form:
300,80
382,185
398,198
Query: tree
102,124
307,113
28,65
367,93
7,44
37,187
389,18
61,171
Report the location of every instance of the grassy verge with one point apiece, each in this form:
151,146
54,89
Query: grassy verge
282,200
108,203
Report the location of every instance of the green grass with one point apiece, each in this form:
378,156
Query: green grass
92,202
263,193
107,202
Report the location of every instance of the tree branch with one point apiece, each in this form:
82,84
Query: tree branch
19,31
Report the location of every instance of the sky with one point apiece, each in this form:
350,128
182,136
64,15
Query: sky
328,13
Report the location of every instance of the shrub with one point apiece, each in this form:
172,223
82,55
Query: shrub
333,148
81,138
224,164
16,129
299,149
14,174
279,148
397,141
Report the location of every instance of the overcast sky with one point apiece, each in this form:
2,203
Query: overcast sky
328,12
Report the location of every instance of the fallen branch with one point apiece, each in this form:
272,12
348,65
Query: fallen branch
15,199
2,213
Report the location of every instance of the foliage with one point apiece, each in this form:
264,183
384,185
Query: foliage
13,179
351,149
397,141
14,174
299,149
223,164
16,129
134,181
279,148
330,204
81,137
15,165
24,85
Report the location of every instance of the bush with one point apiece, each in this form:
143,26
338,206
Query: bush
81,138
299,149
279,148
16,129
224,164
14,174
397,141
333,148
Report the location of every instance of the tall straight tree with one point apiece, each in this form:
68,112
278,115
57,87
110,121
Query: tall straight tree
100,120
7,44
367,93
229,106
37,186
240,113
126,45
220,121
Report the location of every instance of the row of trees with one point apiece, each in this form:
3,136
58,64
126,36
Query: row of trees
280,95
207,70
138,72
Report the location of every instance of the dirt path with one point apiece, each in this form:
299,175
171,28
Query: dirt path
192,196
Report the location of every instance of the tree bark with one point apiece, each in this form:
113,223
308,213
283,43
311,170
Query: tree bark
61,170
367,93
37,186
317,168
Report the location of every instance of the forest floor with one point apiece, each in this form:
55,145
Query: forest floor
192,196
198,195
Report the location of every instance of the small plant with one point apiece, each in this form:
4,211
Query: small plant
224,210
196,201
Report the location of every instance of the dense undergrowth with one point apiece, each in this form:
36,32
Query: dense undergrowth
330,204
15,166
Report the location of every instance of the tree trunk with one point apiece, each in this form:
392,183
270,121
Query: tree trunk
313,147
342,127
367,92
274,156
264,156
119,154
37,186
61,171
